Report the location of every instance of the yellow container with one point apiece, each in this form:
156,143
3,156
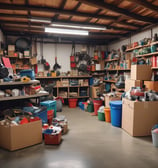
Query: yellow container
53,74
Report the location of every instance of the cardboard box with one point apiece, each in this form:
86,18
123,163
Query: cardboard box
102,64
11,48
110,98
132,83
21,136
11,53
151,85
141,72
96,90
138,118
33,61
128,56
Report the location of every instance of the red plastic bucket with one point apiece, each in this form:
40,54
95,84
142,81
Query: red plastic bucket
73,103
97,104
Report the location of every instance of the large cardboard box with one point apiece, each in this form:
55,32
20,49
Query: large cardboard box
141,72
138,118
132,83
151,85
21,136
110,98
96,90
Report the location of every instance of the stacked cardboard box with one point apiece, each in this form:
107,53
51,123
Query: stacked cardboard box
138,74
138,117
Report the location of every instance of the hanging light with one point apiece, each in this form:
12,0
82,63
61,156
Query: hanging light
66,31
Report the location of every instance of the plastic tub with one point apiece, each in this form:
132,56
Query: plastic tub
154,134
81,105
107,114
97,104
51,105
42,114
101,116
50,115
72,103
90,107
116,113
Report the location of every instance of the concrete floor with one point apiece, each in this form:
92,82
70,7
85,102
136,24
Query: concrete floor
89,144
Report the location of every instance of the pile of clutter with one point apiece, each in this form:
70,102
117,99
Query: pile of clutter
139,94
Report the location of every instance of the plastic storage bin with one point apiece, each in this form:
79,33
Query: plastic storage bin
50,104
116,113
97,103
42,114
101,116
29,72
107,114
73,103
50,139
81,105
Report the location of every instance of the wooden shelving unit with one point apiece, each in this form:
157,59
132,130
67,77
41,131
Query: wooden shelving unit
67,89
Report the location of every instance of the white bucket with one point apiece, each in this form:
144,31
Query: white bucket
154,138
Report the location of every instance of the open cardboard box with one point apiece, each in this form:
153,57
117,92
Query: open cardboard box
21,136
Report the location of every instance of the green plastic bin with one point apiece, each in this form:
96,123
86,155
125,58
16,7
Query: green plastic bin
101,116
90,107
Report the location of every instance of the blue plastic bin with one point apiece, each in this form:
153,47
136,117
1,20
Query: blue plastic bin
51,105
81,105
42,114
116,113
28,72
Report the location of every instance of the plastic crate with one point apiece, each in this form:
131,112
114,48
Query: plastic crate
51,105
50,139
29,72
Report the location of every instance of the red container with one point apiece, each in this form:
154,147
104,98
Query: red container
73,65
72,58
154,61
97,104
50,114
73,103
50,139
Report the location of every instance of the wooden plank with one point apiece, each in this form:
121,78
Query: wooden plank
69,77
23,97
19,83
110,81
146,4
148,55
138,47
110,60
104,5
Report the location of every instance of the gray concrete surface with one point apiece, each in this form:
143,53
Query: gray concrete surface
89,144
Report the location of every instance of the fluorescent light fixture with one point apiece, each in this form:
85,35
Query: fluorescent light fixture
66,31
78,26
40,20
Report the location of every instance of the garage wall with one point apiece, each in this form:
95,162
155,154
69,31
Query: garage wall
133,38
63,52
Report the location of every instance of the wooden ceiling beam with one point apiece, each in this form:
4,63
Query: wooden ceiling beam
102,34
146,4
54,10
103,5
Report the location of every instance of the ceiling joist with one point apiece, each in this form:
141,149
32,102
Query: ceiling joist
103,5
146,4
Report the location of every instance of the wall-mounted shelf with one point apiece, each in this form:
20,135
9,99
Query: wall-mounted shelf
18,57
110,60
23,97
70,86
110,81
138,47
148,55
154,68
118,69
19,83
58,77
